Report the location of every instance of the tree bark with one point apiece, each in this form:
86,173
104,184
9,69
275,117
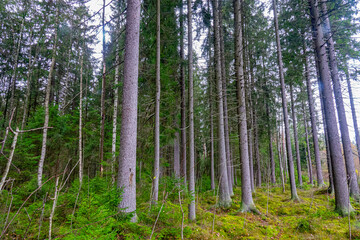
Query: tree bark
309,162
157,111
183,98
349,160
353,112
296,140
177,155
294,195
127,158
192,213
247,203
9,162
340,183
226,119
81,163
224,195
102,100
320,181
47,103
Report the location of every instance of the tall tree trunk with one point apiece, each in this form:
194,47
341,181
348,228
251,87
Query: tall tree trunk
349,160
47,103
192,214
116,101
320,181
177,155
224,195
296,140
247,203
127,159
256,149
13,83
226,119
9,162
309,163
183,98
340,183
81,163
271,152
294,195
102,100
157,111
278,144
353,112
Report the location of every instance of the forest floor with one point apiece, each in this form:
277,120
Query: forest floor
97,216
280,218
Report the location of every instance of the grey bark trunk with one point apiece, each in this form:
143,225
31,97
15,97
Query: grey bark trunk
294,195
320,180
127,159
81,163
9,162
157,111
226,119
183,99
212,160
308,152
177,155
47,103
278,144
271,152
340,183
296,140
192,213
115,113
247,203
349,160
224,195
102,100
353,112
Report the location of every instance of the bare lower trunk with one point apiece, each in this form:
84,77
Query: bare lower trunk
294,195
314,131
349,161
340,183
247,203
183,99
47,103
278,144
52,214
102,100
127,158
157,111
177,155
271,152
9,162
212,160
353,112
192,213
224,195
81,163
226,119
308,152
115,113
297,151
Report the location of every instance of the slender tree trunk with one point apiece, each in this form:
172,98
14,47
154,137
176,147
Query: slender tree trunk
294,195
183,98
296,140
224,195
9,162
102,100
157,111
353,112
127,159
314,131
226,119
256,149
340,183
349,160
192,213
278,144
177,155
309,163
52,214
13,83
115,113
247,203
271,152
47,103
81,161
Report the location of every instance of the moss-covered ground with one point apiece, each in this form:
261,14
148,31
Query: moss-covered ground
97,216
